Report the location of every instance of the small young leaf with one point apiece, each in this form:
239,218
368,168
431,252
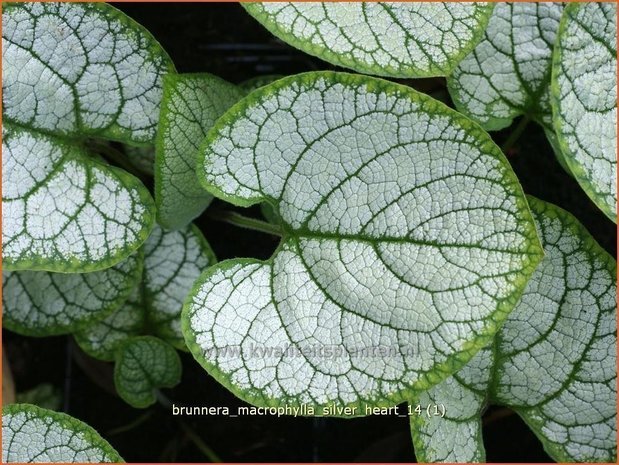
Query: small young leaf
191,104
41,303
173,260
386,39
64,211
144,364
508,73
584,99
554,360
80,69
393,207
34,434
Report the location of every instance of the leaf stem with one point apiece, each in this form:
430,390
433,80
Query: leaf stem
241,221
131,425
166,403
199,443
516,133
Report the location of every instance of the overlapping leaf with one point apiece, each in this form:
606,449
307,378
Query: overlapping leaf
71,71
172,262
63,211
388,39
393,207
33,434
508,72
144,364
41,303
457,436
584,91
554,360
191,104
100,340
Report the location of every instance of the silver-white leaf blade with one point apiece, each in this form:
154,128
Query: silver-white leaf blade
173,261
63,211
508,72
399,39
393,207
101,339
41,303
456,436
81,68
555,356
34,434
558,368
191,104
584,91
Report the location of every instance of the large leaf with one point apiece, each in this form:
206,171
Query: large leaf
64,211
83,68
584,91
173,261
191,104
144,364
72,71
508,72
34,434
393,207
386,39
554,360
41,303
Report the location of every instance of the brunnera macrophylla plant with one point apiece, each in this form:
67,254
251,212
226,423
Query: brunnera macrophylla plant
402,224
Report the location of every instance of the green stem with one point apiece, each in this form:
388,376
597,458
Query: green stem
199,443
129,426
516,133
245,222
166,403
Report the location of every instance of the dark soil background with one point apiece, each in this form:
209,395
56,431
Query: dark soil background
222,39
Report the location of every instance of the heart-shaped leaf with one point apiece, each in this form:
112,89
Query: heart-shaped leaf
73,71
393,208
144,364
173,260
508,72
64,211
34,434
191,104
41,303
584,91
398,39
554,360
